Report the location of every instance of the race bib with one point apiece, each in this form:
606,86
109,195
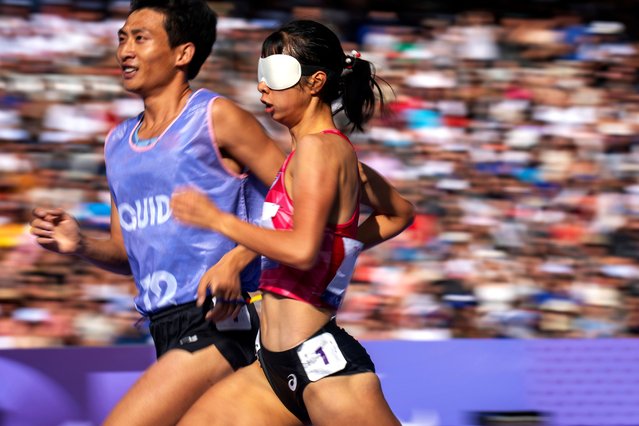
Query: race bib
242,322
321,357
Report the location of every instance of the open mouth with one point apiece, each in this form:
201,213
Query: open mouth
268,108
128,71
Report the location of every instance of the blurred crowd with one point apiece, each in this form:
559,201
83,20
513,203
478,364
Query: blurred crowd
515,138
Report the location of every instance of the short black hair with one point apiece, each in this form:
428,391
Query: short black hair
186,21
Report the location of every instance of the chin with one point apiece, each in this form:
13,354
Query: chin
132,89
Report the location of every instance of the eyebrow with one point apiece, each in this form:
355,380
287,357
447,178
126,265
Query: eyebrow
134,31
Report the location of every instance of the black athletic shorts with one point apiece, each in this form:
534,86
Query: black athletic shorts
184,327
331,351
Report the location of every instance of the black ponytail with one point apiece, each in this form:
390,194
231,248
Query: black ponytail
359,88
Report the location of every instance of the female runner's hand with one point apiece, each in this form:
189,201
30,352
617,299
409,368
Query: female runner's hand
194,208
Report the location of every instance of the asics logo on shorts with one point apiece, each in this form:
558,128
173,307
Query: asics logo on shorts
292,382
189,339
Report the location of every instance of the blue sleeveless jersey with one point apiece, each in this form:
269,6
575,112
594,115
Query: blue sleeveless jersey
168,258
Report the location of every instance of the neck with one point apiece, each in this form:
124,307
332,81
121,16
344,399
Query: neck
166,105
316,118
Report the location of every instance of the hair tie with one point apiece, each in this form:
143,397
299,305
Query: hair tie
350,61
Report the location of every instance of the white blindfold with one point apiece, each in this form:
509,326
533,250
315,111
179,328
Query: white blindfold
281,72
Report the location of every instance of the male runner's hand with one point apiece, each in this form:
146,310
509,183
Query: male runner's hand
223,281
56,230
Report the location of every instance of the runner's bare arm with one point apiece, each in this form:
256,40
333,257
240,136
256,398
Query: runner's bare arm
391,214
58,231
240,134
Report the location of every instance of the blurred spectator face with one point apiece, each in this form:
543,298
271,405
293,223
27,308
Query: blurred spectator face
144,53
558,283
556,318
